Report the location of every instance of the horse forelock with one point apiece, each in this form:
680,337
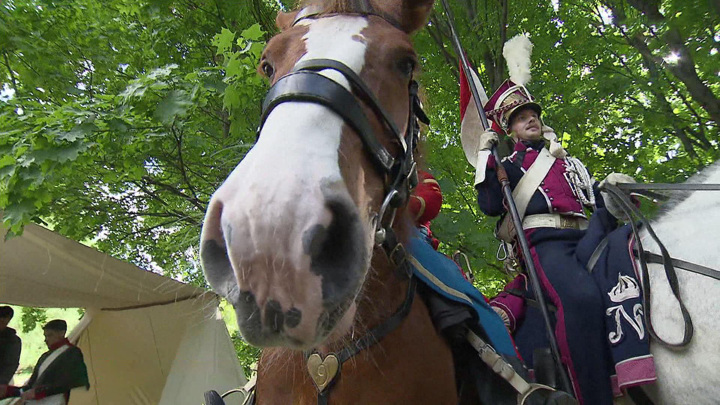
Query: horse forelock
404,15
332,6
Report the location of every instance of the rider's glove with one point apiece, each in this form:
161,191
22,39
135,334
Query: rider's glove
503,315
612,206
488,139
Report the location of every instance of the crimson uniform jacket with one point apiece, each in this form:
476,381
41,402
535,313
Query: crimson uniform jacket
425,203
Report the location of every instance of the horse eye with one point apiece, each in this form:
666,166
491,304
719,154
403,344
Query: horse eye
407,66
267,68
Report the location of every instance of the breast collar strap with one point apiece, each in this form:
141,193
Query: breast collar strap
370,338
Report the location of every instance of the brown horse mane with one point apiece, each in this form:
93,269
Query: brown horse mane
331,6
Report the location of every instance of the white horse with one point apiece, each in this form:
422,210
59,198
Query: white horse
690,230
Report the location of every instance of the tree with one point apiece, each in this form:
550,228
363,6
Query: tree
125,117
119,119
628,87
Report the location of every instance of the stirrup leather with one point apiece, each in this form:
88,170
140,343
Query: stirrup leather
502,368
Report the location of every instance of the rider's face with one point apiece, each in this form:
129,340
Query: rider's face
525,125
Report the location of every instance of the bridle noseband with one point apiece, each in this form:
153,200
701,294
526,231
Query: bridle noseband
306,83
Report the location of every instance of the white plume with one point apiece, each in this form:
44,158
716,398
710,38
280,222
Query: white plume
517,53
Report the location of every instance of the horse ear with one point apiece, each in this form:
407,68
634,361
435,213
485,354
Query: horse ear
412,15
284,20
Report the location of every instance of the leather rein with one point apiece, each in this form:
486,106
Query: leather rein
636,217
306,83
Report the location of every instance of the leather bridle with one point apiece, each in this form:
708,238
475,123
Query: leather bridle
306,83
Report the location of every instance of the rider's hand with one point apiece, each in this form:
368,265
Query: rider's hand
503,315
612,206
616,178
488,139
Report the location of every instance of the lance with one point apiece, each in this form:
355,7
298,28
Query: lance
512,208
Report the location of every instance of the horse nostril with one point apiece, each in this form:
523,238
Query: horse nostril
314,240
336,251
217,267
293,317
213,252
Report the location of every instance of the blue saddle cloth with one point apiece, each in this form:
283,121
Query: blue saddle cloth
443,276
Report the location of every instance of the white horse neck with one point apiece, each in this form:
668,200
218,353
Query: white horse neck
690,228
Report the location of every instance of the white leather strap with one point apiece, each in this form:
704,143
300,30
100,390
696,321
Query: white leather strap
525,189
498,364
531,180
51,358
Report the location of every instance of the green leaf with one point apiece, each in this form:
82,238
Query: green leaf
7,171
69,152
79,132
223,41
176,103
16,213
6,160
253,33
234,67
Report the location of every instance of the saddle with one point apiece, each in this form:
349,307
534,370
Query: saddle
483,351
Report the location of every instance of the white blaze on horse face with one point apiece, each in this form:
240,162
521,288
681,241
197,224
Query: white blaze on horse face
280,191
338,38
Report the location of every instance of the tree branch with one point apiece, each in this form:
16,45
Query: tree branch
12,74
178,140
437,36
194,201
684,68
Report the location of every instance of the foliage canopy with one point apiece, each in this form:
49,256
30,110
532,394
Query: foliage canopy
118,119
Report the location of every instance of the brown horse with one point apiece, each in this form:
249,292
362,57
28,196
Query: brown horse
291,237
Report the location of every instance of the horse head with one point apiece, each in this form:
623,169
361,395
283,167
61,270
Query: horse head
289,237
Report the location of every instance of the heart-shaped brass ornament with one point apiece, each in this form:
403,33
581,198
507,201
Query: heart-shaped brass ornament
322,371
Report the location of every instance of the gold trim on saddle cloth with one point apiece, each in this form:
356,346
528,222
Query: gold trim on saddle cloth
431,277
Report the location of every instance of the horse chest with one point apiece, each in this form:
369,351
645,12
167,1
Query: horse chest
405,367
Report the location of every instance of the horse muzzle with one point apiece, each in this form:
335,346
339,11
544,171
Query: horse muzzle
292,271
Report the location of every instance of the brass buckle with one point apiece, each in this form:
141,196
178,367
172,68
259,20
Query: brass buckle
398,255
568,223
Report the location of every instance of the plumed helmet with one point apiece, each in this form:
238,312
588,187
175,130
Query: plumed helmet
506,100
512,94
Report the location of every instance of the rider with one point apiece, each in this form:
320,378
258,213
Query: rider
553,191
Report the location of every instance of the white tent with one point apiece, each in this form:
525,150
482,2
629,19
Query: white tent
146,339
